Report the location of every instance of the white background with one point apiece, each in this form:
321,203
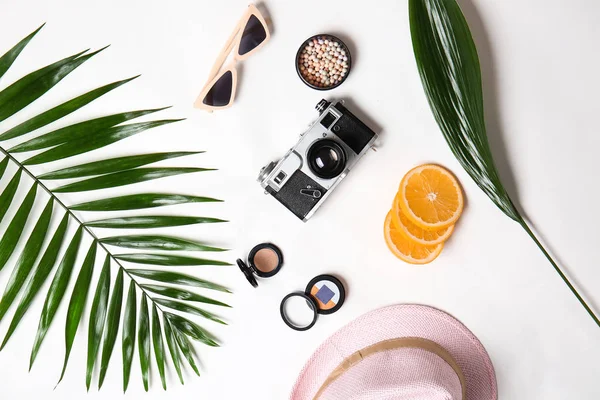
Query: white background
540,66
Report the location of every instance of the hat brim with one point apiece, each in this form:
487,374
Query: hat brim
398,321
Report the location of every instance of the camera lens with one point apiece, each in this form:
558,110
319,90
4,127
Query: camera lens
326,159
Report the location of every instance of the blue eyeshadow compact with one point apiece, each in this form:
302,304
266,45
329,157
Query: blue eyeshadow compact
324,294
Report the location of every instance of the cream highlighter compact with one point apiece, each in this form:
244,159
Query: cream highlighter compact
264,260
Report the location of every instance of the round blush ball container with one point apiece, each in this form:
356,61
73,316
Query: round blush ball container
323,56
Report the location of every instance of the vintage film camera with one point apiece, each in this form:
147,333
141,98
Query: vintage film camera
323,156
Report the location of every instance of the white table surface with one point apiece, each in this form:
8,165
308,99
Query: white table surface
541,63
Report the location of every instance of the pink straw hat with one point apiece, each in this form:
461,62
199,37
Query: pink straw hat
399,352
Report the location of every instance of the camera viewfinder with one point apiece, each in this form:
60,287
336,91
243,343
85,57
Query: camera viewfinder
328,120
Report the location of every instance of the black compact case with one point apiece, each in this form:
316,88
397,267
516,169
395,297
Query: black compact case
264,261
324,294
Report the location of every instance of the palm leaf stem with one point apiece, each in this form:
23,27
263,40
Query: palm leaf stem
85,227
559,272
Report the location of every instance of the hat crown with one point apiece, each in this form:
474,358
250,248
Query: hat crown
401,326
399,374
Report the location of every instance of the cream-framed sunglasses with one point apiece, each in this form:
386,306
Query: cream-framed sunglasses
249,35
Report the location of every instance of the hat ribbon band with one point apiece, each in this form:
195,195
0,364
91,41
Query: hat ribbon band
392,344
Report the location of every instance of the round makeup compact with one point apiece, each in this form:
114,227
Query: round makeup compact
323,62
264,260
324,294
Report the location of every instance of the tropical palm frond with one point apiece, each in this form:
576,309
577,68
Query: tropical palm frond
148,327
449,67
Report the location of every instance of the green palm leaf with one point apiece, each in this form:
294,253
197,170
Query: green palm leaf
166,259
79,130
3,165
24,264
139,201
15,228
176,278
29,274
35,284
448,64
151,221
157,242
8,194
182,294
191,329
113,165
97,141
57,290
77,303
144,340
128,345
60,111
124,178
173,348
97,319
7,59
188,309
449,67
29,88
112,326
186,349
159,348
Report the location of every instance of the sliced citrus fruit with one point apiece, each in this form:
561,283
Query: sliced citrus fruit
430,197
404,248
415,232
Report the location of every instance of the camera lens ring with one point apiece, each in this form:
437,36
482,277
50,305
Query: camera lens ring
326,158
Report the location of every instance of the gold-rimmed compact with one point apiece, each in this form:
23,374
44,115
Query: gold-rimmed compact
249,35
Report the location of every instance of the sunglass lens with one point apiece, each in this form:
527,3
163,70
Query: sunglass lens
220,93
254,34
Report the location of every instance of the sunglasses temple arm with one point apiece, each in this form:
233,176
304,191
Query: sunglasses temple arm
229,45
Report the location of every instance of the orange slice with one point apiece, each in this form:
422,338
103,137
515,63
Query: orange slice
430,197
404,248
415,232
